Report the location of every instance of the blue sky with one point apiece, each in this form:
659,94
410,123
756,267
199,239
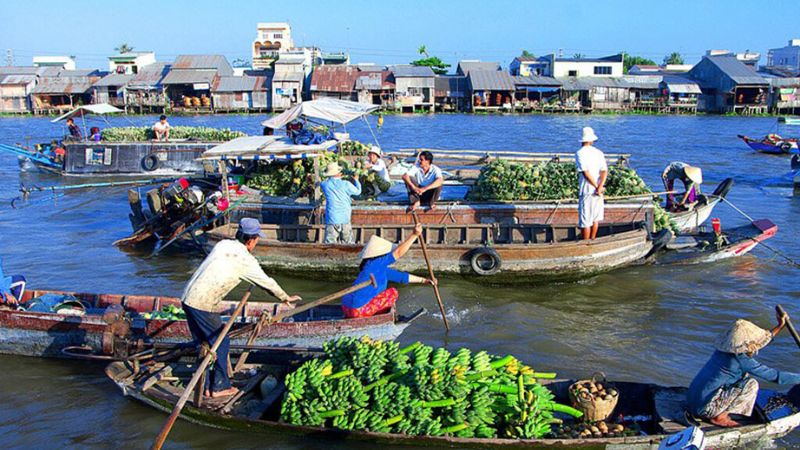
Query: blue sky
391,31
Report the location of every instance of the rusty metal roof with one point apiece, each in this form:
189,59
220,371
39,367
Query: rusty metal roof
239,84
490,80
375,81
64,85
189,76
150,76
217,62
20,70
114,79
12,80
334,78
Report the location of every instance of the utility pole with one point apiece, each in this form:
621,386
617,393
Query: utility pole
9,57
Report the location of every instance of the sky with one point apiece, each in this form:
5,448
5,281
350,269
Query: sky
390,32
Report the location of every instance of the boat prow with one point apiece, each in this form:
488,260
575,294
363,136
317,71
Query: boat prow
705,246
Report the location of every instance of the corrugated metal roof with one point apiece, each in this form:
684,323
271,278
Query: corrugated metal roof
217,62
464,67
334,78
63,85
370,68
588,83
642,81
188,76
375,81
10,80
450,85
784,82
20,70
149,77
535,80
289,76
238,84
738,71
114,79
526,58
490,80
407,70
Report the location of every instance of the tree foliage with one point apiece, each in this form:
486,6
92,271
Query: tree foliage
631,61
124,48
528,54
437,65
673,58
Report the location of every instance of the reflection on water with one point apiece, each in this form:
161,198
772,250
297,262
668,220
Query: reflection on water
648,323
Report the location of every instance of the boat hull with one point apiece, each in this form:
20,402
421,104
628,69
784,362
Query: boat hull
742,241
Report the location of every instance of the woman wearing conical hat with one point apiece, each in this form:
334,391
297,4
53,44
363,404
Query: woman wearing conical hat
692,178
376,258
724,385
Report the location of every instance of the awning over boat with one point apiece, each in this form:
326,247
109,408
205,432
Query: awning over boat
331,110
266,148
100,109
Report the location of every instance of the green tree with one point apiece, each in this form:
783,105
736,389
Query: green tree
124,48
673,58
631,61
528,54
423,51
437,65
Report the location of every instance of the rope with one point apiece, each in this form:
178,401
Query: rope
737,209
770,248
370,131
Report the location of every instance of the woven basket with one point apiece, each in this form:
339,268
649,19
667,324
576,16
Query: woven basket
594,409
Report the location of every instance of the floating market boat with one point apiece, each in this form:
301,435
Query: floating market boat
771,144
707,246
656,411
116,325
689,220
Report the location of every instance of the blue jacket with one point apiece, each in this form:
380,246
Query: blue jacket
338,201
379,267
725,369
5,282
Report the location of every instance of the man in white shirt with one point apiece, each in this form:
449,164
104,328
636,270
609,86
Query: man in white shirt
424,182
228,264
161,129
592,173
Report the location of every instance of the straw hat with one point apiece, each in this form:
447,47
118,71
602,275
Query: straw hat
694,173
375,149
377,246
332,169
743,337
588,135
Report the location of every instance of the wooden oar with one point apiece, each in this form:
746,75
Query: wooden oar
789,324
265,320
176,411
430,272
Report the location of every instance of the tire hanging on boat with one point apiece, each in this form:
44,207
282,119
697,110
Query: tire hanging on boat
786,147
150,163
485,261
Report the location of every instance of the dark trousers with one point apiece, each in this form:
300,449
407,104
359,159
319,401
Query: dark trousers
205,327
428,198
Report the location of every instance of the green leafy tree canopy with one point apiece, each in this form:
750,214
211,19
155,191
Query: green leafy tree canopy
437,65
631,61
528,54
673,58
124,48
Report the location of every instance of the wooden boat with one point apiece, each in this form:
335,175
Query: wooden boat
777,146
509,252
114,325
689,220
704,246
658,410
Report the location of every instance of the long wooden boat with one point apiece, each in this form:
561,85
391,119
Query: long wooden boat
658,410
508,252
690,220
782,147
704,246
115,325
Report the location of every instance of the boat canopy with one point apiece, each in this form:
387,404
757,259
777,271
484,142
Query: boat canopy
331,110
264,148
99,109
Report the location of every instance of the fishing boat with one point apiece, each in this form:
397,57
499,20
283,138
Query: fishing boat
706,245
690,219
113,325
771,144
657,410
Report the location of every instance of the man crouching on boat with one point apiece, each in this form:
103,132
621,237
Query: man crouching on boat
228,264
376,257
723,386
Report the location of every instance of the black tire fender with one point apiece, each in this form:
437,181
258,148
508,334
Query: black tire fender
723,188
150,162
485,261
795,162
786,147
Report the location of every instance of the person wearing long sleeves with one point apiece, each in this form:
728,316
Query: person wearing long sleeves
339,195
229,263
725,385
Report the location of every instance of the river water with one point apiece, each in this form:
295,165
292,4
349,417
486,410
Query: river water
648,323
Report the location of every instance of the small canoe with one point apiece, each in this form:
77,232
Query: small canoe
112,326
704,246
690,220
658,411
781,147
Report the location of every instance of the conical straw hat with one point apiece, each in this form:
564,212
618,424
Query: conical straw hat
743,337
694,173
377,246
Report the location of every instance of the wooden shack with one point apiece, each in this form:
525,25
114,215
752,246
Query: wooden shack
785,95
375,87
680,94
730,86
536,93
15,90
335,81
414,87
240,94
188,83
61,90
451,93
490,90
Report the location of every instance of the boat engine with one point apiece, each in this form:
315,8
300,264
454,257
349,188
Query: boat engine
118,340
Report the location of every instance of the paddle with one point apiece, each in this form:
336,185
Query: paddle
162,435
430,272
789,324
265,320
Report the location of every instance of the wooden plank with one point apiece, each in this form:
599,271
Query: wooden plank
268,401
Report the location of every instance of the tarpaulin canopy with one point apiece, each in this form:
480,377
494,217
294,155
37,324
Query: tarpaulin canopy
264,147
328,109
542,89
101,108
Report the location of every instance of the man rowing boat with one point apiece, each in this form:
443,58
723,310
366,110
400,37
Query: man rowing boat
228,264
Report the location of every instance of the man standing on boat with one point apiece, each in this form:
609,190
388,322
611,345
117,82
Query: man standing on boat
228,264
723,386
592,173
692,178
161,129
424,182
338,205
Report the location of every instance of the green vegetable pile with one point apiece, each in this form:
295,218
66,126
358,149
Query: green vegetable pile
168,312
141,134
361,384
509,181
353,148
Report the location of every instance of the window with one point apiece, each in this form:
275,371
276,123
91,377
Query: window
277,36
572,73
602,70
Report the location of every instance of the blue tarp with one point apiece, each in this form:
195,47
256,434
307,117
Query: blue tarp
542,89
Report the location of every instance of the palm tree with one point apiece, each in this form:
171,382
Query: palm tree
124,48
423,50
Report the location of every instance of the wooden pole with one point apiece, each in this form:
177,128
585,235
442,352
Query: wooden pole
187,392
430,272
789,324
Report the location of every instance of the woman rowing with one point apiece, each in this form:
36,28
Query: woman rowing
376,257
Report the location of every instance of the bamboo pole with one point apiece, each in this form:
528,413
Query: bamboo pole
424,246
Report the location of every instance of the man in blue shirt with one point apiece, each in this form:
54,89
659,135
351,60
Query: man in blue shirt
723,386
338,205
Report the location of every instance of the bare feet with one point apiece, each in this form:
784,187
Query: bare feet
724,420
225,392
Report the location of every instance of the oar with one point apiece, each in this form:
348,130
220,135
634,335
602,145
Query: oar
789,324
176,411
197,224
265,320
430,272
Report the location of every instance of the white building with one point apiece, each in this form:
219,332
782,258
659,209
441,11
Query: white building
553,66
788,56
131,62
271,39
747,57
62,62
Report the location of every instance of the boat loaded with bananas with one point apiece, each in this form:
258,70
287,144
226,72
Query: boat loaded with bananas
376,391
111,326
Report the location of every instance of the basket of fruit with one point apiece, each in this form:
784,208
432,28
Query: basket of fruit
596,399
